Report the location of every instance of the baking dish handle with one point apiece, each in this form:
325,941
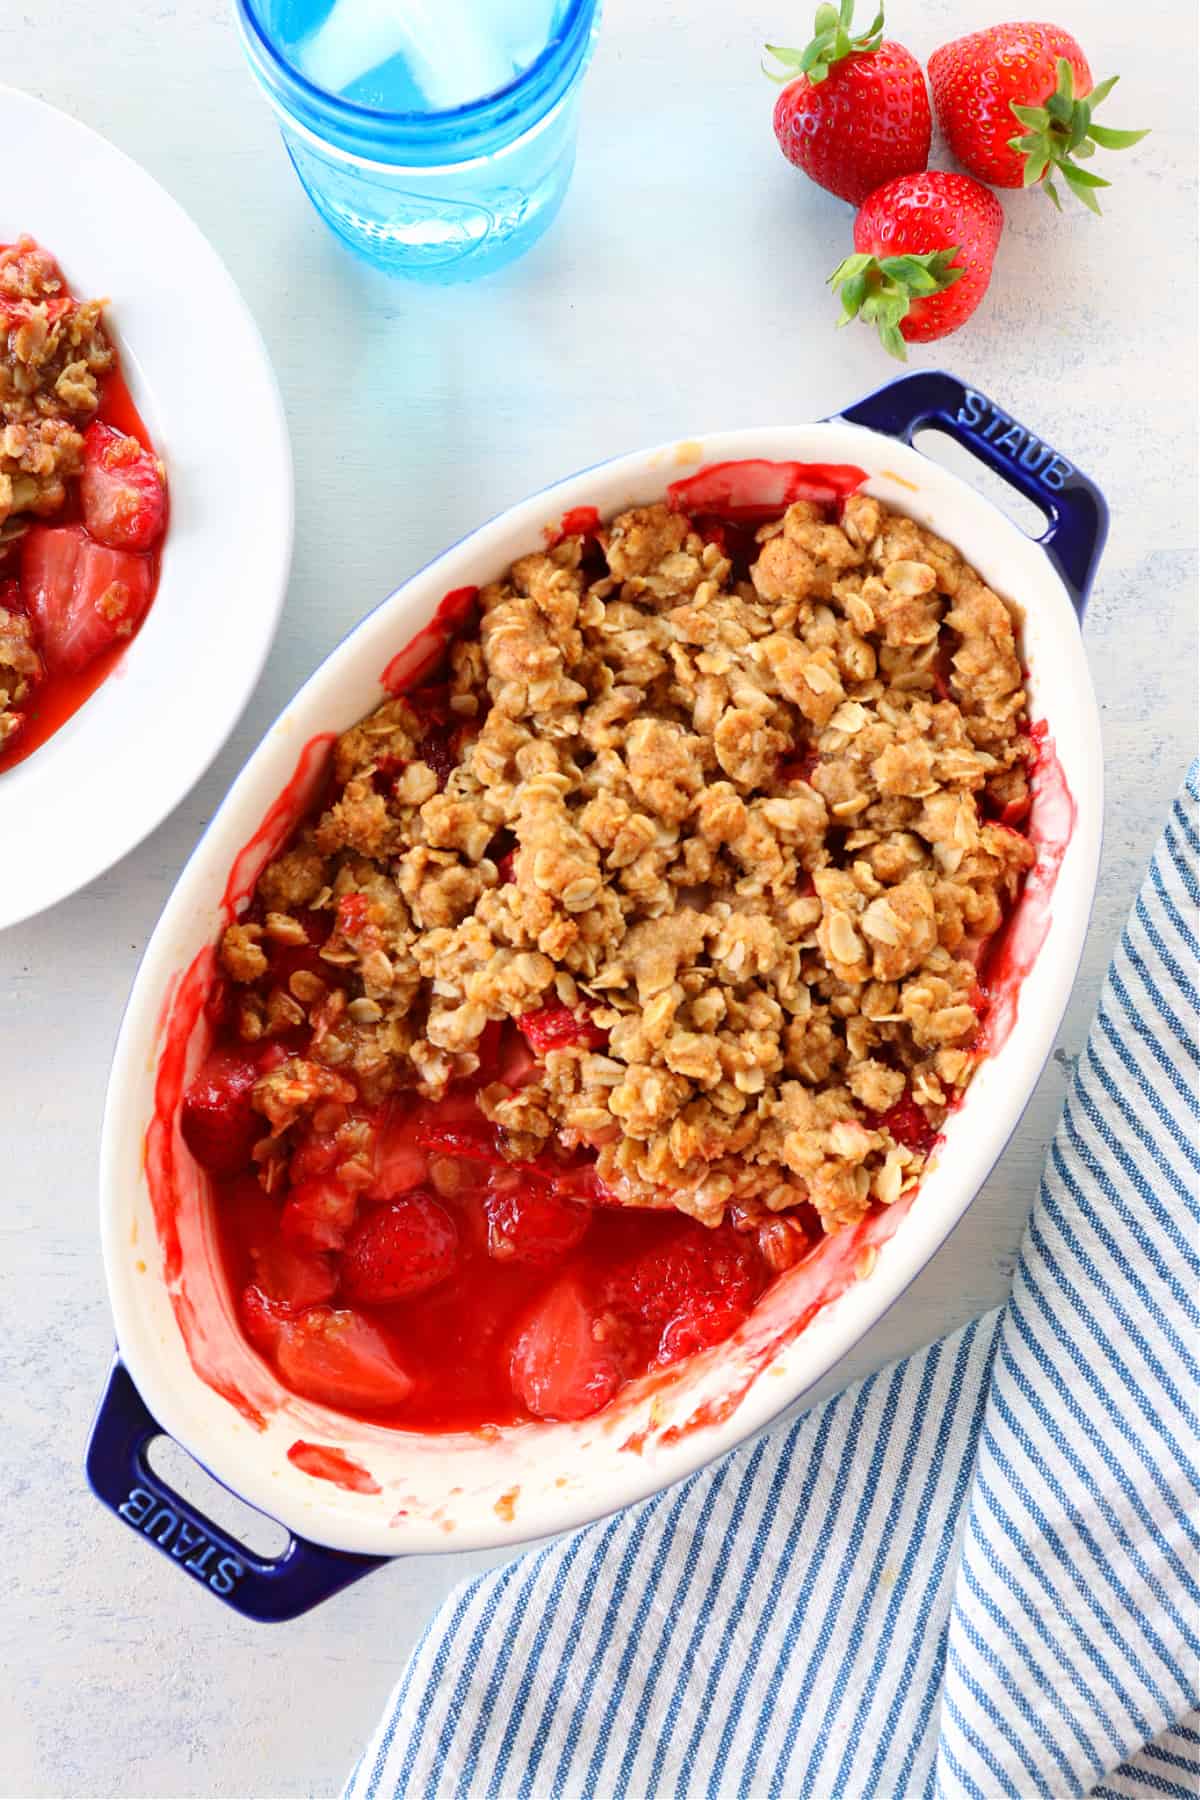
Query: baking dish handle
1073,504
265,1589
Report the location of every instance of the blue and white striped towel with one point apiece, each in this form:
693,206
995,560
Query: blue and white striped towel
973,1574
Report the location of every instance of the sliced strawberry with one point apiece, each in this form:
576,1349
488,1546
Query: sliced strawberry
318,1213
292,1276
698,1328
692,1271
557,1028
263,1318
82,596
528,1222
401,1161
473,1143
451,1126
122,490
565,1363
399,1250
352,913
220,1127
338,1358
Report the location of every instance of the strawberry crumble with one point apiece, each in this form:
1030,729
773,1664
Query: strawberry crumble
634,950
82,502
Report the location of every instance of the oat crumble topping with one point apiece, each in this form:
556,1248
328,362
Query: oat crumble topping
750,830
52,352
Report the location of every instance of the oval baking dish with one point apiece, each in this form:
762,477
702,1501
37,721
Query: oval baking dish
351,1492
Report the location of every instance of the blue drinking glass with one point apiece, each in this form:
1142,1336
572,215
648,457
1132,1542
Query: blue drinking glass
436,137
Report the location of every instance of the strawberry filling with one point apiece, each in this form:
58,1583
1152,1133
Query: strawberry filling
405,1244
81,566
557,1027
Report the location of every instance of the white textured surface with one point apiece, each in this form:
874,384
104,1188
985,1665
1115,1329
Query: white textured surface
681,289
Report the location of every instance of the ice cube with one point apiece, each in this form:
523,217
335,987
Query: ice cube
454,49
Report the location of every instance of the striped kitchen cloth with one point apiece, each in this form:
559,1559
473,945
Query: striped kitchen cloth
973,1574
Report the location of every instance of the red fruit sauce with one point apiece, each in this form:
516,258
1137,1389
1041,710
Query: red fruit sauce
328,1463
57,697
526,1291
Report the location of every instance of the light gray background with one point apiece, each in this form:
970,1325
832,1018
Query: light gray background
682,290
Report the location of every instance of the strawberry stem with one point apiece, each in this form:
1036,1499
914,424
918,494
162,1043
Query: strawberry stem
881,290
832,40
1061,132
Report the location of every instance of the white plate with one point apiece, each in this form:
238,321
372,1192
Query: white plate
199,374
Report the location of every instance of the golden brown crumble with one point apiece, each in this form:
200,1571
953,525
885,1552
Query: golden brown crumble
749,828
52,350
20,668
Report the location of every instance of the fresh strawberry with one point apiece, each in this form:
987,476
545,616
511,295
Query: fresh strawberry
332,1356
220,1126
1035,78
924,248
399,1250
557,1028
855,111
318,1213
566,1362
122,491
529,1222
82,596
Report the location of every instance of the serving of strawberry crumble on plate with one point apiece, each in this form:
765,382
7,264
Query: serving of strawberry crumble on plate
636,948
83,502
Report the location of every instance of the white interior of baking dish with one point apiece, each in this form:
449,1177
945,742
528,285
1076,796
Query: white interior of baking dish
520,1482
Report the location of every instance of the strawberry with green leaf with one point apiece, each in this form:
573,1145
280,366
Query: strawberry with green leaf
1034,77
855,110
924,247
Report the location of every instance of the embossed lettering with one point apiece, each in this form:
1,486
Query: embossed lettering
186,1538
1003,433
972,409
198,1563
137,1505
162,1526
229,1572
